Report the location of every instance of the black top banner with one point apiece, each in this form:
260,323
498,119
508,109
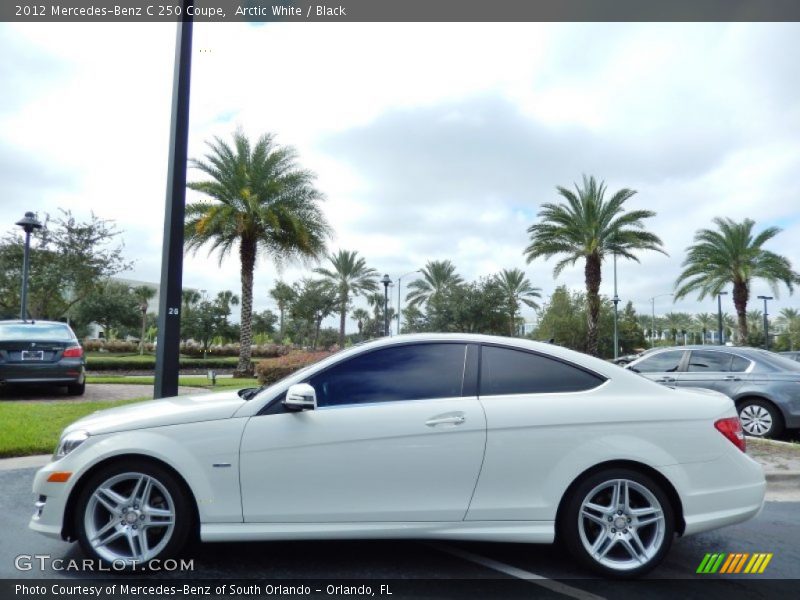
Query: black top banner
399,10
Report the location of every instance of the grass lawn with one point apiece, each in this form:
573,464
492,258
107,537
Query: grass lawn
189,381
33,428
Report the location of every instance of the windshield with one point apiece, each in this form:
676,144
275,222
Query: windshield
36,331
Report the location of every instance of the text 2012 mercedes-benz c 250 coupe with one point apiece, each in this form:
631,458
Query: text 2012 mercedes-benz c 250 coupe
461,437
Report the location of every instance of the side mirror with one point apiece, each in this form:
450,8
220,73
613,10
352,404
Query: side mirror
300,396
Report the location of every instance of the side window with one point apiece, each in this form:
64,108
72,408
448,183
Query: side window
663,362
708,361
739,364
411,372
506,371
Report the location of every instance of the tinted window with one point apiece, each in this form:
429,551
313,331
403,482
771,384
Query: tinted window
708,361
412,372
739,364
505,371
39,331
663,362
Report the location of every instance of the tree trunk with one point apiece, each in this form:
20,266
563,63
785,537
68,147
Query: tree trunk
593,277
141,337
740,294
342,317
247,254
317,325
511,327
282,310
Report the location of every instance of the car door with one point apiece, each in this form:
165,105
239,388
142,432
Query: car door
396,437
533,407
714,370
661,367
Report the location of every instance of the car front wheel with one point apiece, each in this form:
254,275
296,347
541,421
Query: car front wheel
129,514
618,522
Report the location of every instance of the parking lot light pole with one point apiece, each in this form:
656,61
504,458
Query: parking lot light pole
719,316
615,300
386,280
28,224
653,316
766,321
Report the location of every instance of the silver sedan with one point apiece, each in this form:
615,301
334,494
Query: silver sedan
764,385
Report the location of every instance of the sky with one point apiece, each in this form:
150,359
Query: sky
429,141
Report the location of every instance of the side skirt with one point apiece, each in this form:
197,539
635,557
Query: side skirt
539,532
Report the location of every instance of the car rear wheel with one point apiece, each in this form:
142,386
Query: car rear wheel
76,389
129,514
618,522
760,418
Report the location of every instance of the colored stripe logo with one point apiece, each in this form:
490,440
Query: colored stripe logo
721,562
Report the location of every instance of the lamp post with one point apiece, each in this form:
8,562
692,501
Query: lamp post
719,316
399,286
386,280
28,224
653,315
615,300
766,321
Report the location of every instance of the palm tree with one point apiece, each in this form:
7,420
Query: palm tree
377,300
789,322
589,227
351,276
360,316
732,254
144,294
704,321
260,200
284,295
437,276
516,288
755,320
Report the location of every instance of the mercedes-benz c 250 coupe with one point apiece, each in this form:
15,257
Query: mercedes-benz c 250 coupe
460,437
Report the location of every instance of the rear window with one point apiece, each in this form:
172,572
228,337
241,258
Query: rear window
22,332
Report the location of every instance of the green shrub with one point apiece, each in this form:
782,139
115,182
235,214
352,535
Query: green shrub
274,369
147,362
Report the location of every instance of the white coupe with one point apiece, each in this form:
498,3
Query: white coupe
460,437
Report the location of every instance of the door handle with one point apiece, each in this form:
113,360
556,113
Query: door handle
666,380
731,378
446,420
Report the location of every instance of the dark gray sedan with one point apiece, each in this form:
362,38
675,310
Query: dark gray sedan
765,386
41,352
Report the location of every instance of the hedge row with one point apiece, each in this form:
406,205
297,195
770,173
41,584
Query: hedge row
187,349
274,369
137,363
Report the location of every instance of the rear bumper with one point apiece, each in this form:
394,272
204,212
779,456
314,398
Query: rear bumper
63,372
726,491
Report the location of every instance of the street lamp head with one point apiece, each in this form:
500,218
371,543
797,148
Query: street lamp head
386,280
29,222
722,293
765,298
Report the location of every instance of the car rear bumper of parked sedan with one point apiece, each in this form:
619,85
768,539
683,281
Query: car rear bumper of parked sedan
62,372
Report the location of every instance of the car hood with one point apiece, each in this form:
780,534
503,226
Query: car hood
157,413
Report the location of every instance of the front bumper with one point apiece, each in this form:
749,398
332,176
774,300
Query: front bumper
51,504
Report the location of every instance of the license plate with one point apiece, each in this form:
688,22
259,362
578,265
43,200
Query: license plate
32,355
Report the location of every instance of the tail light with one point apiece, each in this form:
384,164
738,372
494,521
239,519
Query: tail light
73,352
731,428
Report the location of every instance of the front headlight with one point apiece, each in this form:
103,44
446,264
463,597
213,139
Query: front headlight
69,442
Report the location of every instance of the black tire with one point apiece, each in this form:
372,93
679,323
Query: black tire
577,532
183,522
760,418
76,389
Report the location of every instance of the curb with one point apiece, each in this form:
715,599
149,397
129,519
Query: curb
788,476
24,462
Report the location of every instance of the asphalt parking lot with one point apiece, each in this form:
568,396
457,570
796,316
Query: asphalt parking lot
548,570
